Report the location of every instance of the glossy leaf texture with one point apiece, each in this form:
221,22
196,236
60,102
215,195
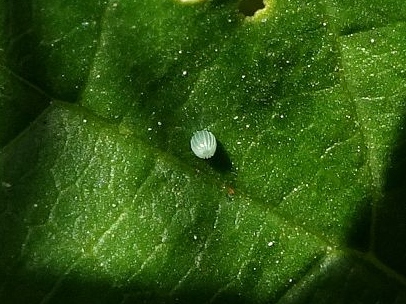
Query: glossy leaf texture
103,201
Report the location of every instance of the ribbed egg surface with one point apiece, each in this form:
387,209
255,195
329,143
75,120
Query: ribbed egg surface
203,144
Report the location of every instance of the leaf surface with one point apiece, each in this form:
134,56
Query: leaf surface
102,200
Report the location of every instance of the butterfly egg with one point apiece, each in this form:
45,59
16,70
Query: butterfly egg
203,144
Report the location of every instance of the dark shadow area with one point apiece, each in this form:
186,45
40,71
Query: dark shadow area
42,287
50,54
23,41
390,226
221,161
345,279
352,29
250,7
20,101
359,230
20,104
163,81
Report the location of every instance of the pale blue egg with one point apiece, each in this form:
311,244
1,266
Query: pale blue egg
203,144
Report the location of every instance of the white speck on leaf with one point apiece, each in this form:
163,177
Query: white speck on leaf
6,185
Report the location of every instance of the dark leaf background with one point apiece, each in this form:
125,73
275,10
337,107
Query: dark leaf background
102,200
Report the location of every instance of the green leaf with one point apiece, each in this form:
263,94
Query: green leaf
102,200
